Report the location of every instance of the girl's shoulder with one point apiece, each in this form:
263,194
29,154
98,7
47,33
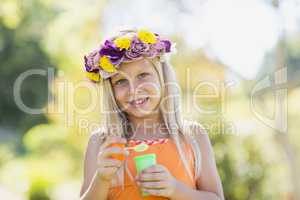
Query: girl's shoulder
90,158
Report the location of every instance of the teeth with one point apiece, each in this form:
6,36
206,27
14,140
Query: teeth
139,101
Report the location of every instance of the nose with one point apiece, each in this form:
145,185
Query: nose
133,87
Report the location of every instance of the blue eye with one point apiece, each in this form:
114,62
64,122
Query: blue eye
142,75
121,81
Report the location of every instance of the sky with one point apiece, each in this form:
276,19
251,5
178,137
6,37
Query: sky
237,33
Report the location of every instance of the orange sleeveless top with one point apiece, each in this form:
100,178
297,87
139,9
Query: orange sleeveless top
167,155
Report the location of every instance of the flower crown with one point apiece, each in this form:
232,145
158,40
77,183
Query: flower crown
133,45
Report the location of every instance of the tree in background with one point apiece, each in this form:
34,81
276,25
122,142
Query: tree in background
22,26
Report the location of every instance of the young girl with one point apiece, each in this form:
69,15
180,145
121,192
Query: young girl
141,102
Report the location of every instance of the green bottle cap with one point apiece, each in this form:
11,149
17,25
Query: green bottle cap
141,147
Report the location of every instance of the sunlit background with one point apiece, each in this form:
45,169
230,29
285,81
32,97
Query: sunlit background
237,61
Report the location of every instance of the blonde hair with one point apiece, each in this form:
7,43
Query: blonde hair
116,123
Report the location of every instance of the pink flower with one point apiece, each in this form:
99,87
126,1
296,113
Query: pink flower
137,49
92,61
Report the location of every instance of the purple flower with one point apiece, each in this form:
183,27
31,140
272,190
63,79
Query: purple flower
137,49
167,45
114,54
92,61
152,51
158,48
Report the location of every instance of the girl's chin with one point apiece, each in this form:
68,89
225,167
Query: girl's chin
140,112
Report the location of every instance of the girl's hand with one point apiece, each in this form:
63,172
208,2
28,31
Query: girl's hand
157,180
107,161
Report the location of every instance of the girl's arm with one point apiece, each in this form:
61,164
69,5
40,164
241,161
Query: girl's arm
91,177
100,167
97,190
208,183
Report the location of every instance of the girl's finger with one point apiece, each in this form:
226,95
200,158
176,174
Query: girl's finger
110,163
155,169
156,192
104,171
111,151
152,177
154,185
111,140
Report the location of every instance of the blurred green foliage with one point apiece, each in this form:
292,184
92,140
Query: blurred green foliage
21,33
39,190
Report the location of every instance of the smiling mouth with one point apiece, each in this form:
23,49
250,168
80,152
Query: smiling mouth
139,101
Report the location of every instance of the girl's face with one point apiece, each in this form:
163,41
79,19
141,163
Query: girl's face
137,88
